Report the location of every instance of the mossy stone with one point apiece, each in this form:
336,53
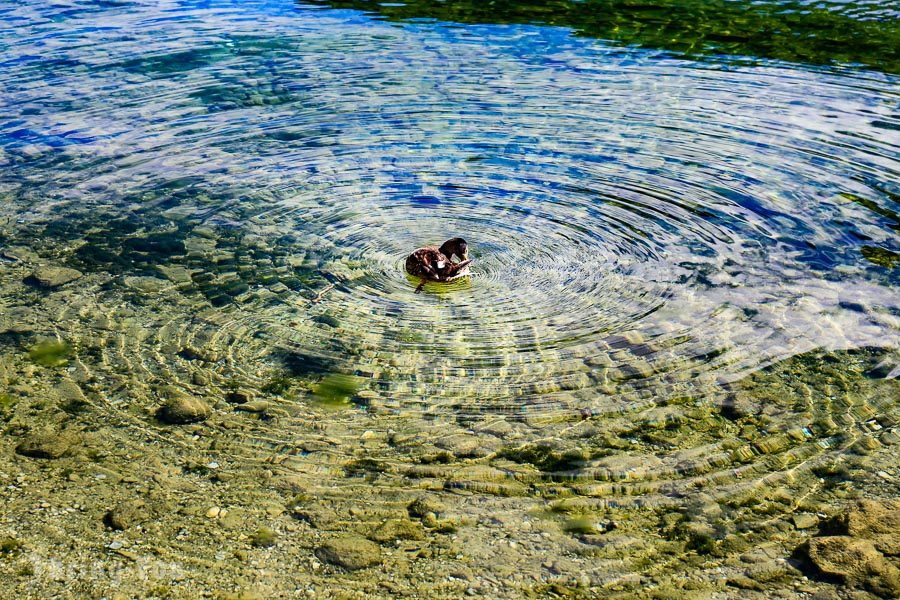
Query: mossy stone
398,529
126,515
182,408
50,353
420,507
45,444
263,538
350,552
53,277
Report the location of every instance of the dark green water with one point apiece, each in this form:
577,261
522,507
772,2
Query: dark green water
817,32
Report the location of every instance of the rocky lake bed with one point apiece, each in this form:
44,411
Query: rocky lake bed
672,372
142,456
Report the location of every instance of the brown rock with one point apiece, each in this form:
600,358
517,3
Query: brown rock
194,353
239,396
878,521
805,520
856,562
127,514
320,518
420,507
745,583
53,277
254,406
738,406
44,444
182,408
351,552
398,529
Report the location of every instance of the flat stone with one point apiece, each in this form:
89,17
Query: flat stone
19,254
856,562
398,529
805,520
194,353
53,277
878,521
146,284
256,406
44,444
745,583
738,406
316,446
69,390
351,552
462,445
320,518
497,427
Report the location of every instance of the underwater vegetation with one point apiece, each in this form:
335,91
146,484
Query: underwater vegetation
50,353
792,30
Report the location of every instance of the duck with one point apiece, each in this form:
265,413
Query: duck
433,263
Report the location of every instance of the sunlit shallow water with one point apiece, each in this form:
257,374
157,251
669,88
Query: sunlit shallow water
240,183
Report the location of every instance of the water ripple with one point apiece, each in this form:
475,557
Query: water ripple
646,229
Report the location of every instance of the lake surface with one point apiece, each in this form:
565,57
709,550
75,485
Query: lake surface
684,221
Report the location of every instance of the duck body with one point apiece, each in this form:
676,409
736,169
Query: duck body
432,263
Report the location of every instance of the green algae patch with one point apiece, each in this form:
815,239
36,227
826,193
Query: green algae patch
880,256
50,353
264,537
874,207
784,30
582,525
10,546
7,402
337,389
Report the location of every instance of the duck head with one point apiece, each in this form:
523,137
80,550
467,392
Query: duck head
457,246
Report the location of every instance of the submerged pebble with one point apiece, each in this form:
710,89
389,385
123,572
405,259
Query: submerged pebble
45,444
53,277
127,514
239,396
216,512
424,506
256,406
398,529
182,408
263,537
350,551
